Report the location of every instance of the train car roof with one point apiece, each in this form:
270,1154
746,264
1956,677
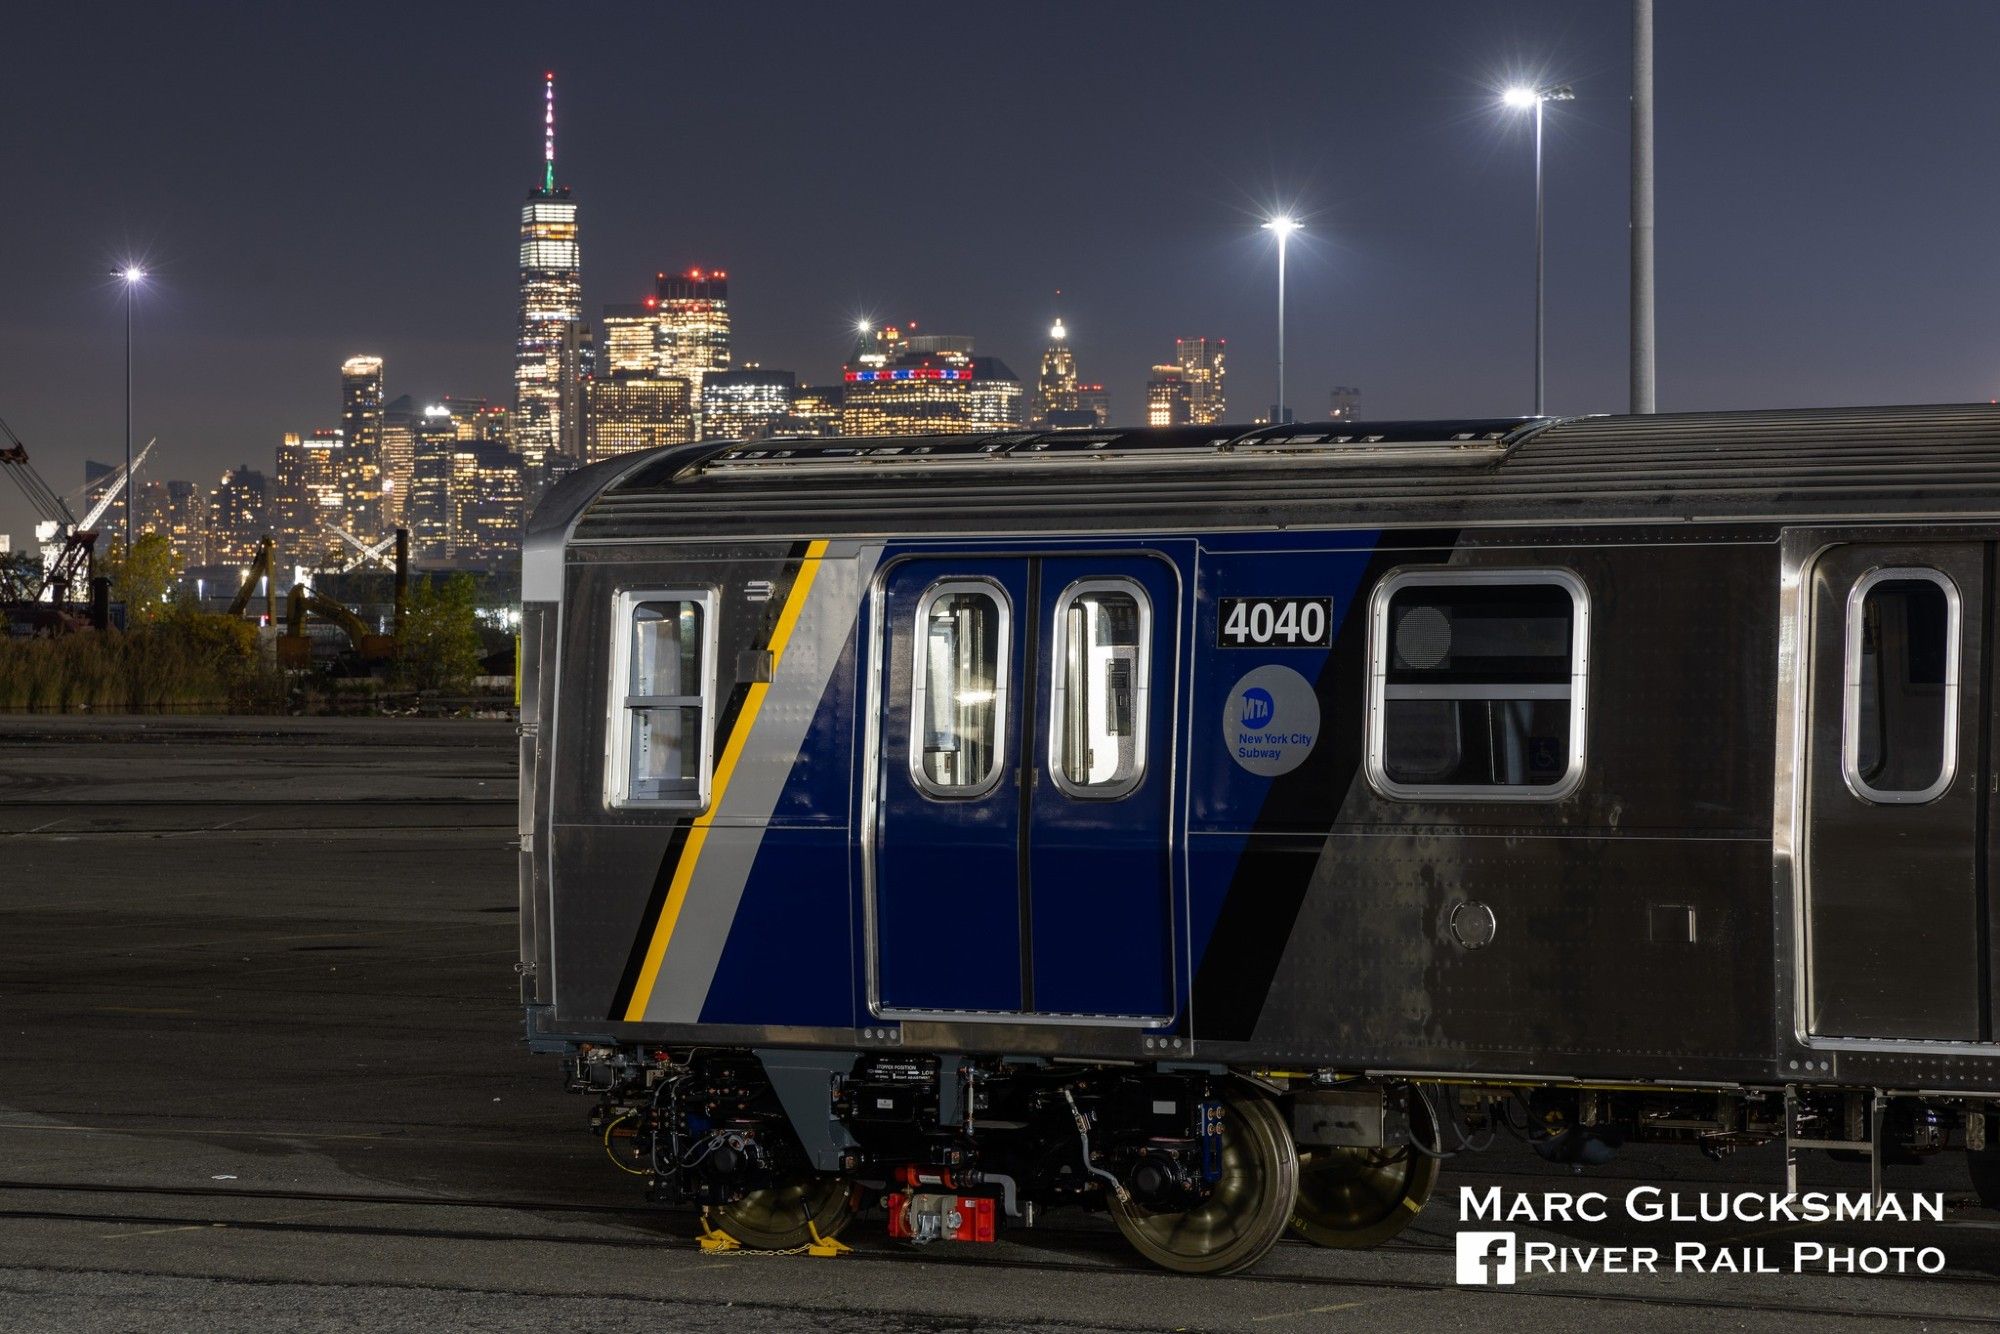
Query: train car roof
1880,463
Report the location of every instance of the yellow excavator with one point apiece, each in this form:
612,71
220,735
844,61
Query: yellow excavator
295,649
260,568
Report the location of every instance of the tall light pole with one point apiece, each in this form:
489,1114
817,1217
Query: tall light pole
1644,384
132,275
1521,98
1281,227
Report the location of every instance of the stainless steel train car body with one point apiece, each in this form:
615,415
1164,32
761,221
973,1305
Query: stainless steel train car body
1704,894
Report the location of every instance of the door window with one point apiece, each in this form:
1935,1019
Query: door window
1476,684
959,688
1098,698
1900,718
663,668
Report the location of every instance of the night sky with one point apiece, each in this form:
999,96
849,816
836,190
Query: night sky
312,182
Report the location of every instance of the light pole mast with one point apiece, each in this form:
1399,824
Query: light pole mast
133,276
1644,384
1282,227
1537,98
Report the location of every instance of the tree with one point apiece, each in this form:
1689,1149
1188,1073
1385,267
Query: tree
144,581
439,647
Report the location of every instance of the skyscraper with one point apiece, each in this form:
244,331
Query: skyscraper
178,510
1201,364
929,383
631,411
427,509
745,404
1168,401
238,515
487,504
694,325
1343,403
361,463
399,420
547,354
632,338
310,496
1093,406
1055,387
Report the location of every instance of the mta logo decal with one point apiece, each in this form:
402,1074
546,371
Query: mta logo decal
1258,708
1486,1258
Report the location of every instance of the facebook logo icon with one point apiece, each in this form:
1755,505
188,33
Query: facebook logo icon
1486,1257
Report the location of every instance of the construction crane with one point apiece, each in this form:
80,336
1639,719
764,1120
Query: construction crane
78,536
364,553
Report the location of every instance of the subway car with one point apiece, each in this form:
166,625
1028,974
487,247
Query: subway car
1222,826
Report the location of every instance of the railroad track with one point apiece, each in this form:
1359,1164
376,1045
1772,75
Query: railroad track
1099,1243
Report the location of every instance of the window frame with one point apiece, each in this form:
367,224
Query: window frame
624,704
1142,688
1379,696
1850,685
920,684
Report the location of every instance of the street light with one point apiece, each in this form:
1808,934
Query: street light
132,275
1281,227
1520,98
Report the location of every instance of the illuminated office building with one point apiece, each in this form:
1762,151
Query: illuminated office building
815,410
1201,365
1343,404
1168,399
427,506
550,346
1055,386
399,417
361,473
239,514
632,338
1093,405
628,412
487,503
310,496
179,511
745,404
476,419
928,384
693,309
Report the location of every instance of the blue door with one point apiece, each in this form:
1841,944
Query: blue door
1099,878
1022,859
948,838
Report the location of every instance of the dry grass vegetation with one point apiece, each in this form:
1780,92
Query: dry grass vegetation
185,659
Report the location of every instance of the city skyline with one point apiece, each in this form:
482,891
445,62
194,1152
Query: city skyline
1411,279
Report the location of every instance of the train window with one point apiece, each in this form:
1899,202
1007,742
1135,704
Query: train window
664,664
958,692
1476,684
1899,725
1097,701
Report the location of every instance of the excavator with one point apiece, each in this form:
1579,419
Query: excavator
295,648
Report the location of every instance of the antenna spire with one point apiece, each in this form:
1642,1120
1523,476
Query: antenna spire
549,133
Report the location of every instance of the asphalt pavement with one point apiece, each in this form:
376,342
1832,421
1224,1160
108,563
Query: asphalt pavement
260,1069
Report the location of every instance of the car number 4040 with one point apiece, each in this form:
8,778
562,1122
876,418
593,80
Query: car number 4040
1274,623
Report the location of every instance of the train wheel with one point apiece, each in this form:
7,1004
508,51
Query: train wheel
785,1217
1356,1198
1985,1169
1246,1210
